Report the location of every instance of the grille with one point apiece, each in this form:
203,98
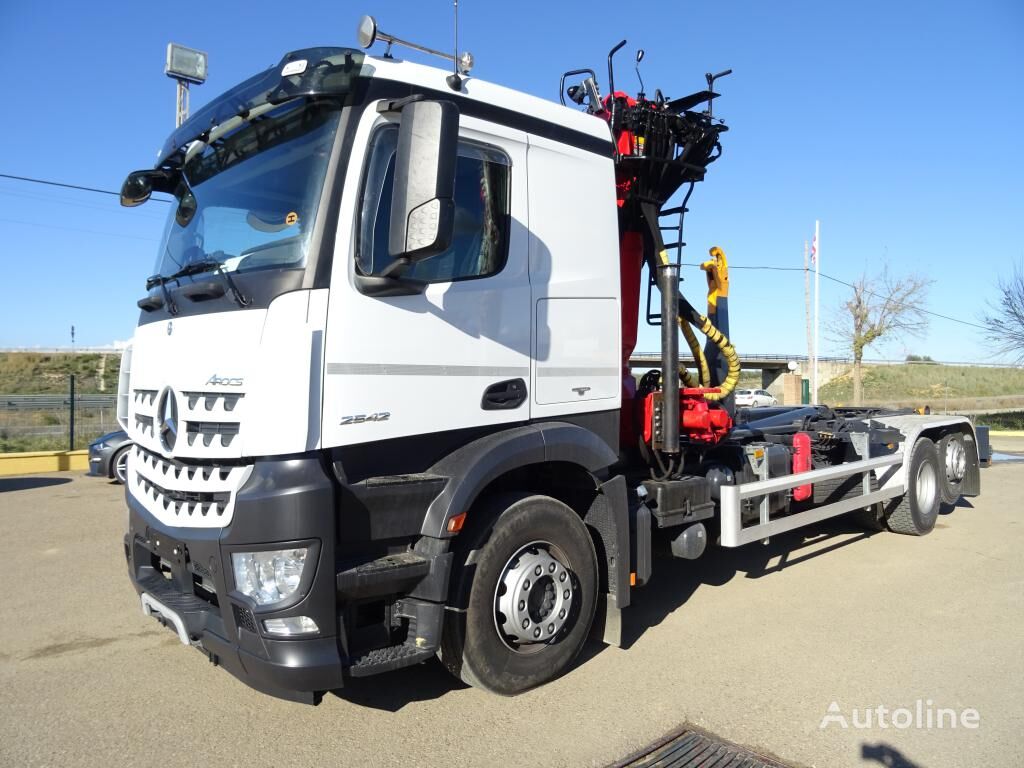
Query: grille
244,618
192,502
209,400
144,424
209,423
145,396
182,494
208,430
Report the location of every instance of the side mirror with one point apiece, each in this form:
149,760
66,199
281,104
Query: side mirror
136,188
423,197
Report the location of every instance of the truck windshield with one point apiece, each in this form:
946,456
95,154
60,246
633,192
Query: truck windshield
249,199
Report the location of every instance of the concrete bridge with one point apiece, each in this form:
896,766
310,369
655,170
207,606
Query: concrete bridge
772,366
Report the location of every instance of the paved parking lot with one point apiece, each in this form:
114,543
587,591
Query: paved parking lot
754,645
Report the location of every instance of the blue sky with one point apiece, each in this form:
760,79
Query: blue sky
895,124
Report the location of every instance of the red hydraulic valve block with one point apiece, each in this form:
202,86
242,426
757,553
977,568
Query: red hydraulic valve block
802,463
700,420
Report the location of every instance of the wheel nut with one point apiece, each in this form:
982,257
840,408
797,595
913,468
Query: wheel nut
561,614
536,632
561,576
526,623
566,594
538,571
522,605
551,629
526,584
551,568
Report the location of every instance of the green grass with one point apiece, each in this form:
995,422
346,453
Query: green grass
1014,420
928,384
36,373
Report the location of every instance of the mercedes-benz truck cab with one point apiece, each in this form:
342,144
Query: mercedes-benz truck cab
361,317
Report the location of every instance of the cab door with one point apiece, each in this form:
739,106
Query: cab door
458,354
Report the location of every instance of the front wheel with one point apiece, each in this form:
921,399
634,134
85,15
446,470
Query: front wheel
119,465
524,596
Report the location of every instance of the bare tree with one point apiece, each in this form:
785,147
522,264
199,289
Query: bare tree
880,307
1005,319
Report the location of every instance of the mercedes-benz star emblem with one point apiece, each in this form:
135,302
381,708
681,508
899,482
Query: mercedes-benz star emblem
167,418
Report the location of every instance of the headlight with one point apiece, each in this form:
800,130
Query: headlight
268,577
99,446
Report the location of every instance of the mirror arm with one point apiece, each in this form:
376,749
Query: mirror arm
396,105
378,285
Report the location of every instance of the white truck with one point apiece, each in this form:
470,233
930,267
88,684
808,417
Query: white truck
379,388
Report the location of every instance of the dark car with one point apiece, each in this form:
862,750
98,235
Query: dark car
108,456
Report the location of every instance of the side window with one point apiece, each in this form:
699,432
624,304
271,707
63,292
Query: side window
480,242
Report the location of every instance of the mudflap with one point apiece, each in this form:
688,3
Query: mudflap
608,521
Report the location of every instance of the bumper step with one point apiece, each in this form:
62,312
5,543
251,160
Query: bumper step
392,574
386,659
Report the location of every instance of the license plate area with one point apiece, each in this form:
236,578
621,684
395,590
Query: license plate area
166,548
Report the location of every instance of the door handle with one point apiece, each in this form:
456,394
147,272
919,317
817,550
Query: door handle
504,396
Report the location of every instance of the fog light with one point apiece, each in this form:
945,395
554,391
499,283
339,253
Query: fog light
268,577
293,625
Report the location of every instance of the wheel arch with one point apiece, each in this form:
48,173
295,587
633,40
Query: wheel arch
561,460
532,454
934,428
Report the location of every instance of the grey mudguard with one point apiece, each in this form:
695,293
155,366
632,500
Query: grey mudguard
472,467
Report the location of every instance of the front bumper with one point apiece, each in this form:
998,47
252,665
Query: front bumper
99,462
187,571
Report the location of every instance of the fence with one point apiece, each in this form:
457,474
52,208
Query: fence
55,422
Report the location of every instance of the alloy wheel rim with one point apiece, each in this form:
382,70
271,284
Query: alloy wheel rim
534,597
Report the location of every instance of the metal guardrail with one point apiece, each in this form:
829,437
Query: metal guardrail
54,402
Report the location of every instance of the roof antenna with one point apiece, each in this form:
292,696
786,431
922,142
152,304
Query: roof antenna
454,80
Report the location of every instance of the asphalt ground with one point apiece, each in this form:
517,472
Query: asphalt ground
753,644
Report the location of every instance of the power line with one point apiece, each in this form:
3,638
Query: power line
848,285
69,186
78,229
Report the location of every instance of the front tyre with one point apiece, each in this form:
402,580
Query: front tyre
529,588
119,465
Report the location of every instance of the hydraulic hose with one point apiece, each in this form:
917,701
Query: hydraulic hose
721,341
688,315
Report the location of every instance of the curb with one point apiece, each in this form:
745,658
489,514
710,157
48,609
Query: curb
34,462
1006,433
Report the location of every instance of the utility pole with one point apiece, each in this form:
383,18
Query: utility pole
807,308
184,66
817,305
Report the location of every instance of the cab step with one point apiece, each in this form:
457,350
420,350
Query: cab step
388,575
386,659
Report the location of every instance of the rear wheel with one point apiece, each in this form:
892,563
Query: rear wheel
528,587
953,467
915,512
119,465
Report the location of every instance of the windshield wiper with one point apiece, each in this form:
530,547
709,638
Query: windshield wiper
211,265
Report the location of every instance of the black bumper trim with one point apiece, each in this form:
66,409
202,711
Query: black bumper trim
283,501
